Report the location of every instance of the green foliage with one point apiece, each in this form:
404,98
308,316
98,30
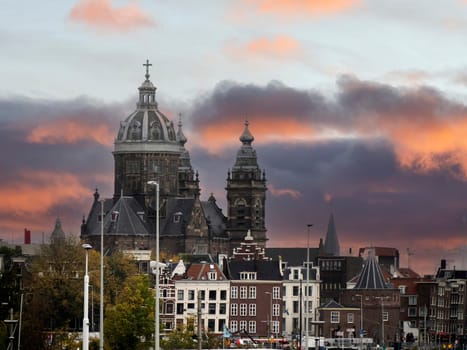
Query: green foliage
54,297
180,338
9,285
131,319
185,337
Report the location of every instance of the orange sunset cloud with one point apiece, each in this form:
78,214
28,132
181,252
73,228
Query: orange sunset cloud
37,191
65,131
32,199
280,47
280,192
307,7
421,139
102,15
226,133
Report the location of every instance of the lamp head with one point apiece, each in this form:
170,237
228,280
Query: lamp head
153,183
87,246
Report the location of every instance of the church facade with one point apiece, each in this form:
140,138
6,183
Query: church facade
149,149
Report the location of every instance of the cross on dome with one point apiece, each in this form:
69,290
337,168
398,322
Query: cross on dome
147,65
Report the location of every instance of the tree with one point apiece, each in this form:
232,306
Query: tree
131,319
10,290
181,338
55,295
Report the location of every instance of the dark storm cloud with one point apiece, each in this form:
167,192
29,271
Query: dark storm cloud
230,99
354,102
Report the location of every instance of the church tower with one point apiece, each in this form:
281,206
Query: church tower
187,179
147,149
246,195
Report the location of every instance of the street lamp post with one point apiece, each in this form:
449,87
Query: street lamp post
101,291
307,286
382,320
269,317
361,320
156,307
86,301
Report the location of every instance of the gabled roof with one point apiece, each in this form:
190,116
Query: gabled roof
332,305
199,272
371,276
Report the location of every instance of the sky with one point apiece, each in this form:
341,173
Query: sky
358,108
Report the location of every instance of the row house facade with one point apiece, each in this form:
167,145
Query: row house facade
256,306
192,294
301,300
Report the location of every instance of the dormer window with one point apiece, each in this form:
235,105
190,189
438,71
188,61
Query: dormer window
248,275
212,276
177,217
115,216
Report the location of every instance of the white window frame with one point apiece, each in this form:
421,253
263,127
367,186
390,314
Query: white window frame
243,310
243,292
275,309
233,309
276,292
234,292
335,317
252,309
252,292
252,327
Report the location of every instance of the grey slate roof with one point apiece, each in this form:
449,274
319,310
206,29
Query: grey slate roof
371,276
121,219
215,217
265,269
175,207
292,256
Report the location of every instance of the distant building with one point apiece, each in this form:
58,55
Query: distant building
378,301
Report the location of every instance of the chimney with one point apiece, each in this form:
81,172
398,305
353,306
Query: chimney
27,236
443,264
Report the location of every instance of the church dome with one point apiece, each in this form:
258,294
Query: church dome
147,128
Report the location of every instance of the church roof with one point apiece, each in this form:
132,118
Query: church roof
147,128
331,244
371,276
215,217
246,155
178,215
125,217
